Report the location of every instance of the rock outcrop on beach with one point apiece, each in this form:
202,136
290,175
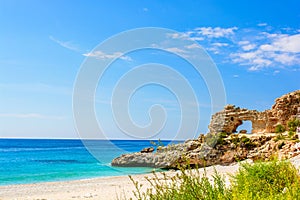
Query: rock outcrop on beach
284,109
162,158
223,146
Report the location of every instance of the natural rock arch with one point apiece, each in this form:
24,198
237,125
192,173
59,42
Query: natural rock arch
284,109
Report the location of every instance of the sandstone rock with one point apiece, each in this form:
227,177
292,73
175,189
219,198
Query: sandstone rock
243,131
222,147
284,109
147,150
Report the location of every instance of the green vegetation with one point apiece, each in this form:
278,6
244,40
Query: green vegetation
292,134
273,180
269,180
159,143
279,129
293,124
246,142
280,145
184,186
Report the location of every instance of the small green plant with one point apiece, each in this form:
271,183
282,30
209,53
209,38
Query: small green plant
279,136
245,139
293,124
292,134
235,139
279,128
159,143
280,145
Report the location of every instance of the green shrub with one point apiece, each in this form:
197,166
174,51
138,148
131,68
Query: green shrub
293,124
279,129
245,139
220,138
184,186
292,134
272,180
279,137
235,139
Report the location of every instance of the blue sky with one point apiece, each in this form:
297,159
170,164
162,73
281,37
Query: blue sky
256,48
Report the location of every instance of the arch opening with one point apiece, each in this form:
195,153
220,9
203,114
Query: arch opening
245,127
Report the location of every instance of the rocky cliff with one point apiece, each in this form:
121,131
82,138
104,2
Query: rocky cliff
222,145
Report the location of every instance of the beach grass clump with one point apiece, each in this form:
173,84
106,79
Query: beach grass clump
186,185
262,180
266,180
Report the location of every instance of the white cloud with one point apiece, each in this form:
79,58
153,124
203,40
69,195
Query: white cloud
175,50
193,46
286,58
284,43
68,44
216,32
179,35
243,42
30,116
256,60
267,49
257,48
246,56
248,47
236,76
262,24
220,44
103,56
197,38
260,63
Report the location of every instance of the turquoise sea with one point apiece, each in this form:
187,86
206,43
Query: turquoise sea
43,160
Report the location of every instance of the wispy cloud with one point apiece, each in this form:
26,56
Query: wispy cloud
283,43
215,32
273,50
31,116
202,33
65,44
103,56
262,24
176,50
256,48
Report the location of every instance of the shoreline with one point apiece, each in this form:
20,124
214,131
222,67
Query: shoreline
108,188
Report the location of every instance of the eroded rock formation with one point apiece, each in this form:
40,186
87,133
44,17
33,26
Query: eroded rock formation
284,109
221,146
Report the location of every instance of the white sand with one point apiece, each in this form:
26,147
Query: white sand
106,188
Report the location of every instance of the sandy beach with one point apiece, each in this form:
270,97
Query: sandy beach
106,188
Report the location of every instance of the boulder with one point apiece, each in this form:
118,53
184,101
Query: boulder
147,150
